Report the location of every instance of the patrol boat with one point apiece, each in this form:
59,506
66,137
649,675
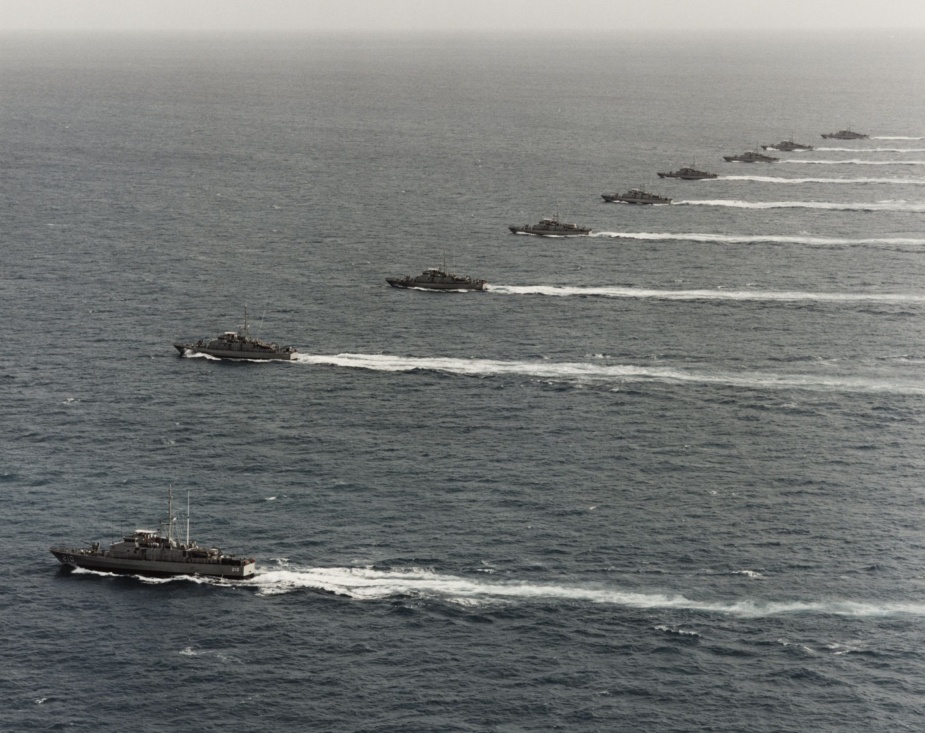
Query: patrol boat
845,135
688,174
635,196
159,553
787,146
750,157
437,279
238,345
551,227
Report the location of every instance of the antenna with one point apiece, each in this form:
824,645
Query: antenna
187,517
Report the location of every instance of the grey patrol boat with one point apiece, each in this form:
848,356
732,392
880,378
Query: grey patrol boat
437,279
750,157
551,227
158,553
845,135
635,196
688,174
238,345
787,146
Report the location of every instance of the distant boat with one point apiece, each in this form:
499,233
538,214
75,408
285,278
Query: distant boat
787,146
158,553
750,157
550,227
845,135
688,174
437,279
635,196
238,345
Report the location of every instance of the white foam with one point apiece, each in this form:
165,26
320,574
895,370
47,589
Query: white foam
871,150
749,295
775,179
761,238
854,161
895,137
832,206
372,584
591,372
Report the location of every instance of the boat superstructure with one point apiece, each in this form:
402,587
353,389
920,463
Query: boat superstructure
551,227
787,146
750,157
238,345
159,553
688,174
635,196
437,279
845,135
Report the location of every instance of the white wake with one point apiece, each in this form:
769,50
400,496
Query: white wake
602,373
777,179
609,291
763,238
371,584
853,161
823,205
871,150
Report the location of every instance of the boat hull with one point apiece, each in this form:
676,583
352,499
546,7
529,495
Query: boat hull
640,202
240,355
238,570
549,233
686,178
446,287
739,159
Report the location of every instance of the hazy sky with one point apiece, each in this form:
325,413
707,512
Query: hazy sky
517,16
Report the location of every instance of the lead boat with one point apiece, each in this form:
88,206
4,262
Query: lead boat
845,135
436,279
635,196
787,146
158,553
238,345
551,227
750,157
688,174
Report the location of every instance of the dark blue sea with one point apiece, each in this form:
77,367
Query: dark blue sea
665,478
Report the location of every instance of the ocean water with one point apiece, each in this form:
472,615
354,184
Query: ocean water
668,477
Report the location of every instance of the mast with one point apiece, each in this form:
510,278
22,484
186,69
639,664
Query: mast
187,517
169,513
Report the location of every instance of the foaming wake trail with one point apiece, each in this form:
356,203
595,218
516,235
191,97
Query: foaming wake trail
895,137
824,205
871,150
854,161
601,373
372,584
776,179
764,238
757,295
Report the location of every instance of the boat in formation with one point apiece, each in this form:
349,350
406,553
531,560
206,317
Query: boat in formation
635,196
437,279
238,345
845,135
158,553
750,157
688,174
787,146
550,227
